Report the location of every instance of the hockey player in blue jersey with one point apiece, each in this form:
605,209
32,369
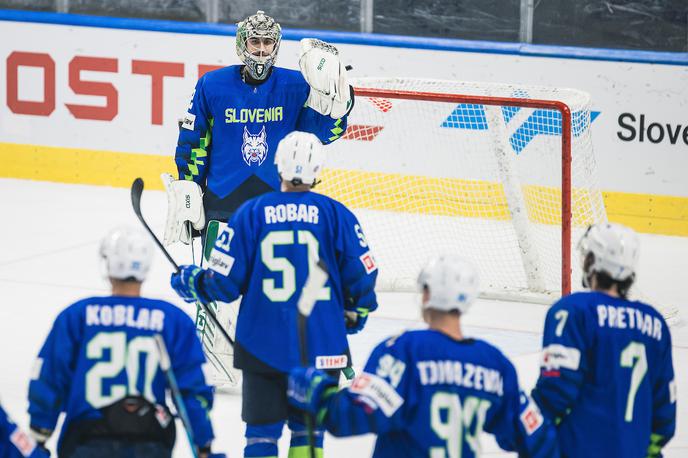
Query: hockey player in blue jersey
100,367
230,132
431,392
606,372
265,255
237,117
15,443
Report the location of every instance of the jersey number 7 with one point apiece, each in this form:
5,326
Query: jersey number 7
634,356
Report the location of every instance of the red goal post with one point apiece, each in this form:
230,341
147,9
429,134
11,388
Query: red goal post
469,168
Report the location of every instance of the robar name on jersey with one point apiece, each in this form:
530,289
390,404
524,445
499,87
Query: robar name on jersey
291,212
466,375
125,315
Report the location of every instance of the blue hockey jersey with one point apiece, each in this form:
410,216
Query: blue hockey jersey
607,375
101,349
232,128
15,443
426,394
265,255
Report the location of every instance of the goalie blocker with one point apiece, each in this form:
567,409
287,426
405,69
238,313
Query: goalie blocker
184,210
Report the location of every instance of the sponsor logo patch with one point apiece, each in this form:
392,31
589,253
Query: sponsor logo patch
377,392
23,442
531,418
556,356
189,121
331,362
368,262
220,262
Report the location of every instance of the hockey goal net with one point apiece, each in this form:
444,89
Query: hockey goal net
502,174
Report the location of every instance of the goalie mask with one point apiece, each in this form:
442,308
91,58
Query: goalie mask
126,254
299,158
609,248
257,42
452,283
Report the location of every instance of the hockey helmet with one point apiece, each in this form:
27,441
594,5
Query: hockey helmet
260,28
452,283
614,250
299,158
126,254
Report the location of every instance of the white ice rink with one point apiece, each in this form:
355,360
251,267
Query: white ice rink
48,259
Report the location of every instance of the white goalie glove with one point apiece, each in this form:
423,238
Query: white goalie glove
326,75
184,209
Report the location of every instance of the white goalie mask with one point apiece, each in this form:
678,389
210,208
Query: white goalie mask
126,254
299,158
614,250
264,31
452,283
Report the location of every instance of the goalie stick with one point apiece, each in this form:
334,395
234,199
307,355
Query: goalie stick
136,192
317,277
166,367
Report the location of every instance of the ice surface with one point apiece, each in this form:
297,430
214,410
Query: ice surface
48,259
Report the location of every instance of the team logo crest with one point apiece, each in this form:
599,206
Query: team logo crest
254,148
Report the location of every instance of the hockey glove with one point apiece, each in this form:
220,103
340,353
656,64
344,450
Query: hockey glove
309,390
537,435
324,72
185,283
355,319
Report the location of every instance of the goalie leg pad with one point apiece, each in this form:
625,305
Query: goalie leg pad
184,209
219,352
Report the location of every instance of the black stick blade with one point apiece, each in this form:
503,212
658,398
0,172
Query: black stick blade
136,191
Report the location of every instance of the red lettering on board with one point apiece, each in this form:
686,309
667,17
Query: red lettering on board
158,71
30,59
79,86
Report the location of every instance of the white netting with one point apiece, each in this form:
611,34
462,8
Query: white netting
427,177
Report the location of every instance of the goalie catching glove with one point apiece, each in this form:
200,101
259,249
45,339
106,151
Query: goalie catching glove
330,93
184,209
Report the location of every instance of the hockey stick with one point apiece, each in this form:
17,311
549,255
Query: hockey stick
317,277
166,367
136,192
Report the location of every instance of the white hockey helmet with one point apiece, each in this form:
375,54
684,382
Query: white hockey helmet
126,254
452,283
614,250
300,157
263,27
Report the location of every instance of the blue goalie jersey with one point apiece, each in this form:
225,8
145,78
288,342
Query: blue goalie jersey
607,376
102,349
15,443
231,129
426,394
265,255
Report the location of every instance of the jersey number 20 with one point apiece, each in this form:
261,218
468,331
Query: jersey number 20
122,355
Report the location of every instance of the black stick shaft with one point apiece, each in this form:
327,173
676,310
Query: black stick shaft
136,192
